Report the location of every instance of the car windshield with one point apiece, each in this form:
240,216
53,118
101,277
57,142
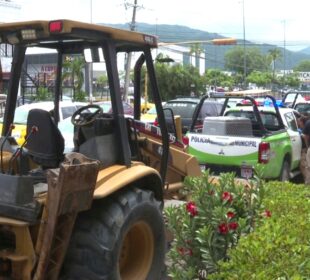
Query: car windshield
66,126
290,97
152,111
68,111
303,108
243,114
106,107
21,114
210,109
185,110
268,118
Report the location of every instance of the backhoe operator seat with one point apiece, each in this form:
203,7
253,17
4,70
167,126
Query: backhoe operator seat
46,146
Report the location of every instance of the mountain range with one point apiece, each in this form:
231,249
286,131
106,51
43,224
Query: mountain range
214,54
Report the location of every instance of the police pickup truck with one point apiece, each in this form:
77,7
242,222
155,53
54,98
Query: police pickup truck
244,136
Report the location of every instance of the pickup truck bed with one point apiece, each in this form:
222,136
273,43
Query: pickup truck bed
236,142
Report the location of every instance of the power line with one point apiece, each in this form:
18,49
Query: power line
9,3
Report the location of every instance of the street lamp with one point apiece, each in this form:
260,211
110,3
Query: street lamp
217,42
220,41
284,48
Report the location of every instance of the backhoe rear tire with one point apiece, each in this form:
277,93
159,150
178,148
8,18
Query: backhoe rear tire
121,237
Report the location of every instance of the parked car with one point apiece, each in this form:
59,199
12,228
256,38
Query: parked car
23,100
303,108
292,98
299,100
185,108
145,105
107,107
67,131
150,116
67,109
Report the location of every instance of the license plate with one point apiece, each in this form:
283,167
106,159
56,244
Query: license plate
246,172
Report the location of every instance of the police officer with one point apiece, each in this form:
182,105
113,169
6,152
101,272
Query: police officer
304,126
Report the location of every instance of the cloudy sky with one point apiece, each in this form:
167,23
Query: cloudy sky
266,21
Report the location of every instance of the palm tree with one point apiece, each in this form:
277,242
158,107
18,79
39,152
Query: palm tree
102,82
274,55
196,49
73,71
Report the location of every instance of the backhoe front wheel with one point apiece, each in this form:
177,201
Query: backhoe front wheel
121,237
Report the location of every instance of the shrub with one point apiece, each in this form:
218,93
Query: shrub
43,94
211,222
80,96
279,248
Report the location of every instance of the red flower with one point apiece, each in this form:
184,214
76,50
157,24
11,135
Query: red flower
181,251
223,228
230,215
185,251
226,196
192,208
267,214
233,226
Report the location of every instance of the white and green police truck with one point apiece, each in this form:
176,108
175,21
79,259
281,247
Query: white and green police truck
244,136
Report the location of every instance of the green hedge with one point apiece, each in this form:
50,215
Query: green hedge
279,247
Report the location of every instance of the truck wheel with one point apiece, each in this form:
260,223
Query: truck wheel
121,237
285,171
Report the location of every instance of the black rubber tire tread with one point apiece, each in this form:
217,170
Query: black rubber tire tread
284,169
95,244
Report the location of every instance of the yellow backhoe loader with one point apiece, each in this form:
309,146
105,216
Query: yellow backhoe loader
96,211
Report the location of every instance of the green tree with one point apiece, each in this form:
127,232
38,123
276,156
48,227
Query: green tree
274,55
196,49
163,75
291,80
102,82
80,96
218,78
73,71
43,94
178,80
303,66
255,60
260,78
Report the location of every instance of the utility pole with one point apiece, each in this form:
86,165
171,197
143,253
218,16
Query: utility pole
90,64
244,50
128,60
1,78
284,49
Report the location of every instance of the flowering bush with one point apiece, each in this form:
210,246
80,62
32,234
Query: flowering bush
279,247
216,214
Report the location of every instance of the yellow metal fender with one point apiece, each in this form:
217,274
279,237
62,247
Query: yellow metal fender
113,178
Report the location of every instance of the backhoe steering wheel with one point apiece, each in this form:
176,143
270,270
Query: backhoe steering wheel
82,118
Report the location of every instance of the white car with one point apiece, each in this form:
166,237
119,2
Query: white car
66,110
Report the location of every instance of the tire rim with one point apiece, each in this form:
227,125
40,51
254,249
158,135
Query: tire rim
137,252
